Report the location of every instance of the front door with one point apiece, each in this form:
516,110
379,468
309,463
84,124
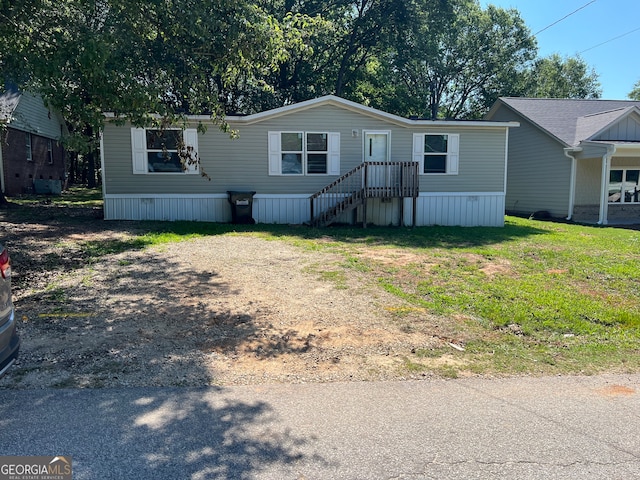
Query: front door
376,149
376,146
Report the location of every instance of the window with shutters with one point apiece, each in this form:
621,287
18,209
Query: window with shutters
170,151
304,153
437,153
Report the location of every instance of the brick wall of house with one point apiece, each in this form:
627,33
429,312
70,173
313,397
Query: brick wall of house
19,173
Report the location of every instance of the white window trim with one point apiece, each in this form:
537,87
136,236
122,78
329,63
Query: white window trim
453,152
275,153
624,175
139,151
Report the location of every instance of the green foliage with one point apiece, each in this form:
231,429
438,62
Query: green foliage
73,197
137,58
153,61
635,93
457,67
557,77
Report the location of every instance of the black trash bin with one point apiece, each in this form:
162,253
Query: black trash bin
241,207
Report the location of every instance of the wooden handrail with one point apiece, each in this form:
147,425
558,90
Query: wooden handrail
367,180
337,181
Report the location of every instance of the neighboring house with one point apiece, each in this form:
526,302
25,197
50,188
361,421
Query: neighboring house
31,155
317,162
578,159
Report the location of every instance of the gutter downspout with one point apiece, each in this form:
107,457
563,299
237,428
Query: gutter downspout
506,167
570,153
604,197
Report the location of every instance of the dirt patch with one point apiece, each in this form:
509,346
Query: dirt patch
617,391
96,309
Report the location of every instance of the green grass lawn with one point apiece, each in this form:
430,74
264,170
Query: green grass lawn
72,197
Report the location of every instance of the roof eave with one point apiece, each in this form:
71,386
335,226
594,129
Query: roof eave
348,105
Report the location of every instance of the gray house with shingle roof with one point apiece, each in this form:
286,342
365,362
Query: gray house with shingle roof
319,161
578,159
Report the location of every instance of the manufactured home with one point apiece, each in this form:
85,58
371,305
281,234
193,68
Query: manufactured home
316,162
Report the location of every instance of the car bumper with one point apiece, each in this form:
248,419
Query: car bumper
9,344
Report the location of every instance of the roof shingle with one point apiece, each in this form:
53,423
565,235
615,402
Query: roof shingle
571,120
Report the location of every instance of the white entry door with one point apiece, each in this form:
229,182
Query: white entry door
376,146
376,149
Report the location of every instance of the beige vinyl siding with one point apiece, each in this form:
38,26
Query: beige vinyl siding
588,173
538,172
625,162
242,164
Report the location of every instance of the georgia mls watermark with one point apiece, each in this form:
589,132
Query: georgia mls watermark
35,468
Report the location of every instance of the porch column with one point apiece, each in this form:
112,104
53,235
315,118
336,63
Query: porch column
571,153
604,184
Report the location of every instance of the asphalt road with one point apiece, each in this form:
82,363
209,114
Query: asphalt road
527,428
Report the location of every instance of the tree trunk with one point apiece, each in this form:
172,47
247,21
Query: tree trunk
91,170
90,159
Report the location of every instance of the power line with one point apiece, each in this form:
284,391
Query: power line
566,16
610,40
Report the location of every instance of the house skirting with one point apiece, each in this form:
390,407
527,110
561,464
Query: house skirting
451,209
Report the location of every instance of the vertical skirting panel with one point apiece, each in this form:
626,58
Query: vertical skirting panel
452,209
266,209
293,210
383,212
457,209
162,208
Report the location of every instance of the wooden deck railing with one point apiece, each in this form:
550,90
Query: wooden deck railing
367,180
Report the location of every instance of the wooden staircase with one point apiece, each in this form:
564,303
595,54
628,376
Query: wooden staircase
367,180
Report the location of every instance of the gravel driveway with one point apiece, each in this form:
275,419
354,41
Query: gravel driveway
218,310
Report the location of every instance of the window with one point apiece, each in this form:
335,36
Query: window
157,151
50,152
292,153
27,138
624,186
437,153
304,153
162,150
317,152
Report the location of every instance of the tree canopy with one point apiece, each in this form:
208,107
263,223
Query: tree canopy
635,93
557,77
430,58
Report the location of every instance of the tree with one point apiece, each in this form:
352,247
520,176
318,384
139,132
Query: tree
340,41
635,93
456,65
136,58
557,77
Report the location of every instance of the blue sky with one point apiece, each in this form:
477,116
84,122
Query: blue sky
617,62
